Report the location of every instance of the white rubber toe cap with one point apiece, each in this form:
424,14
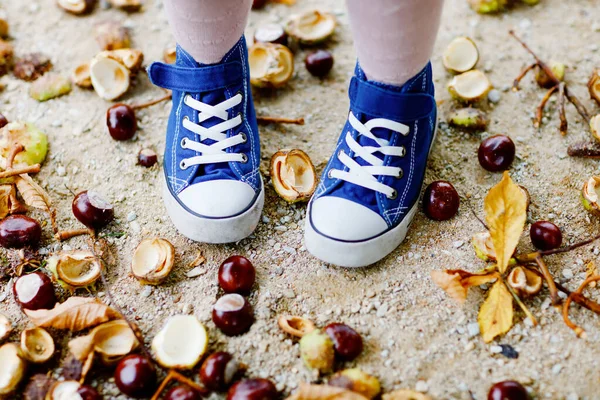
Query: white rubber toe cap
343,219
217,199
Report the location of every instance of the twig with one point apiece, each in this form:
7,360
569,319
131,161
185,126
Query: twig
279,120
578,330
172,374
524,72
580,299
584,149
564,125
15,149
549,279
30,169
578,105
540,109
64,235
569,248
139,106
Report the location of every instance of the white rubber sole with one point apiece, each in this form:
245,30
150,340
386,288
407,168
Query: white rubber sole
213,230
358,254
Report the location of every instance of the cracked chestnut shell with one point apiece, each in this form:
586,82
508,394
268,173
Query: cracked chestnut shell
347,343
18,231
92,210
34,291
253,389
233,315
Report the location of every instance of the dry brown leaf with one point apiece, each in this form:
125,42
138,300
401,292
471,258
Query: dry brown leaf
5,195
456,282
405,394
75,314
496,313
324,392
505,212
33,194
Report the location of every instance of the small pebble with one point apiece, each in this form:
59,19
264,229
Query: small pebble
567,273
494,96
473,329
556,369
131,216
421,386
496,349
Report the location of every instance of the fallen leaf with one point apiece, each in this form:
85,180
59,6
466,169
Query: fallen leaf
324,392
505,212
496,313
5,194
456,282
33,194
405,394
75,314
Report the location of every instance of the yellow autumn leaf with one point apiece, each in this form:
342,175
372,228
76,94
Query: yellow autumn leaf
505,212
33,194
5,193
496,313
456,282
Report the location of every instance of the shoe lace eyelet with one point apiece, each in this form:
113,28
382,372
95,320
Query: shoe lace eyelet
400,174
330,174
340,153
183,165
393,196
183,143
244,137
241,94
244,159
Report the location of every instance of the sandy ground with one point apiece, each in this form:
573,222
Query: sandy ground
415,335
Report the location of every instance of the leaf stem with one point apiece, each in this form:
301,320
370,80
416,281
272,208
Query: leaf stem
539,114
29,169
279,120
564,125
522,75
579,331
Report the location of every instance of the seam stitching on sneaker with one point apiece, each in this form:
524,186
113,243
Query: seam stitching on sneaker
412,162
175,140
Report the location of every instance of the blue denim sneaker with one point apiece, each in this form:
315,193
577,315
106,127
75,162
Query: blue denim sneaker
369,190
213,189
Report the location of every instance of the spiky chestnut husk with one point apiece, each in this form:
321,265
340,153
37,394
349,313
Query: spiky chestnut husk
468,118
357,381
317,351
49,86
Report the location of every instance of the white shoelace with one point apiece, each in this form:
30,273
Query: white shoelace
366,175
216,152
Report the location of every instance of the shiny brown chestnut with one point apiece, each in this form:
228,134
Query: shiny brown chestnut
237,275
347,342
218,371
92,210
508,390
232,314
121,122
34,291
88,393
135,376
319,62
253,389
440,201
182,392
147,158
3,121
18,231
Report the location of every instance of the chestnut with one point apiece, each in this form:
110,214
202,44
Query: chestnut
147,158
347,342
18,231
121,122
218,371
135,376
88,393
232,314
182,392
34,291
237,275
92,210
271,33
508,390
253,389
3,121
440,201
319,63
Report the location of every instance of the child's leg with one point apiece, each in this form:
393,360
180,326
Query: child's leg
207,29
213,191
394,38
